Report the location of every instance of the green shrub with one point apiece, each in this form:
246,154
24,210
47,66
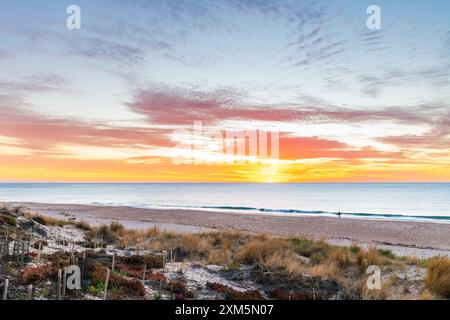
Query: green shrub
40,220
233,266
355,249
307,248
96,288
317,258
105,233
10,220
386,253
157,296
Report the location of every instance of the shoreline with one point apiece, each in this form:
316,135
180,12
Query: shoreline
421,239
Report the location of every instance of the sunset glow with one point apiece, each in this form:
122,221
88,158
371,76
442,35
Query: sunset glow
101,104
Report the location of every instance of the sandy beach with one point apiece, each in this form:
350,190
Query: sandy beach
422,239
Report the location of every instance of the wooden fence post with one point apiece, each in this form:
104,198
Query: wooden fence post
113,262
143,275
6,252
29,241
84,264
30,292
72,251
59,283
16,251
64,279
5,290
106,284
22,256
39,251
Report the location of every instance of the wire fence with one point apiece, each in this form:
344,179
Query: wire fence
16,254
12,292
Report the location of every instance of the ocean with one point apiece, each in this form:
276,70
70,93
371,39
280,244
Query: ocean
402,201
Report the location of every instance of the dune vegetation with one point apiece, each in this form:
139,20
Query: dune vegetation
276,267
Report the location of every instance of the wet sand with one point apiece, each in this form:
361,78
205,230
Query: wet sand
422,239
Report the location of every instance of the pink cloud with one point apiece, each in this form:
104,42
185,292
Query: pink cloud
41,134
174,106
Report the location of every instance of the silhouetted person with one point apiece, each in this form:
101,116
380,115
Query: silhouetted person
339,214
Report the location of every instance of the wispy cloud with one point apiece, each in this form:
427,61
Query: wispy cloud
33,83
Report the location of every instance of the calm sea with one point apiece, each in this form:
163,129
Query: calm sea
414,201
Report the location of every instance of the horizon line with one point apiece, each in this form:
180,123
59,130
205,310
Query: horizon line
223,182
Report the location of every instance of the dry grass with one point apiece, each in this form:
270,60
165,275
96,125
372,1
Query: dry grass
277,260
326,270
116,227
366,258
131,237
375,294
152,232
191,244
257,251
4,210
83,225
342,257
112,233
427,295
437,279
50,221
284,266
222,256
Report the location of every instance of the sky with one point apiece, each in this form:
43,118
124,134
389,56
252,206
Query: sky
114,100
